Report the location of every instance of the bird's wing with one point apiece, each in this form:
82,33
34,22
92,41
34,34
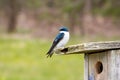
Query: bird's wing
55,42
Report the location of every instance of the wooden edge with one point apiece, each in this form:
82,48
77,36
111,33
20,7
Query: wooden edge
86,65
89,47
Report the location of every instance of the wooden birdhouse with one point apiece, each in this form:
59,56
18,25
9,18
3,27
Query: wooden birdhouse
102,59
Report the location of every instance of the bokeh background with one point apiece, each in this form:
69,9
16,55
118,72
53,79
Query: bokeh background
28,27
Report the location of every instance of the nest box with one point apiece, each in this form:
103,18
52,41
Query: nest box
102,59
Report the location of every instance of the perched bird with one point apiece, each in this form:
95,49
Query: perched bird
60,40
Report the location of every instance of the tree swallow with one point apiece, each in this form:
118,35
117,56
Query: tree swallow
60,40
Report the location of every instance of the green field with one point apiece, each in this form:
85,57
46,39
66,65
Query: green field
25,59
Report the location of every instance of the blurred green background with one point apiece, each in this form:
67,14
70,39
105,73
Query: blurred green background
28,27
23,59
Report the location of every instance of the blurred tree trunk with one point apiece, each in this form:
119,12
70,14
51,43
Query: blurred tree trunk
13,8
82,29
88,6
72,21
88,16
50,3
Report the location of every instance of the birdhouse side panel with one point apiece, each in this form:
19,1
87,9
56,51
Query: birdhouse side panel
114,65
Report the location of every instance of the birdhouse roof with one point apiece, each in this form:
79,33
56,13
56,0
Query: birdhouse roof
91,47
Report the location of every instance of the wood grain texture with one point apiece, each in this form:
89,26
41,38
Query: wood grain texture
86,64
89,47
93,59
114,65
111,65
106,54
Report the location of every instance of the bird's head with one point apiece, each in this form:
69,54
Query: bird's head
63,29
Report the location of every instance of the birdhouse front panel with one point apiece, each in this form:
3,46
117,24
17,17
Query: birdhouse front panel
104,65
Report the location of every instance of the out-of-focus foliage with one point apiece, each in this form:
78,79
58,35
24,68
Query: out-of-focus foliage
31,4
66,12
107,7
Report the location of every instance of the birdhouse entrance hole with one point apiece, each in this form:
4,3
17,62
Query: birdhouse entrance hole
99,67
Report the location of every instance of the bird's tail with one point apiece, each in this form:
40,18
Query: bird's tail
49,54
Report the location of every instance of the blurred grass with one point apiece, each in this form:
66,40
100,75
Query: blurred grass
25,59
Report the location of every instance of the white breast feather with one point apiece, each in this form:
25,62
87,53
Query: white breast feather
64,41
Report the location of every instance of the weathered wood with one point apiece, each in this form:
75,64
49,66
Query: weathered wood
93,60
102,59
89,47
111,65
86,64
114,65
